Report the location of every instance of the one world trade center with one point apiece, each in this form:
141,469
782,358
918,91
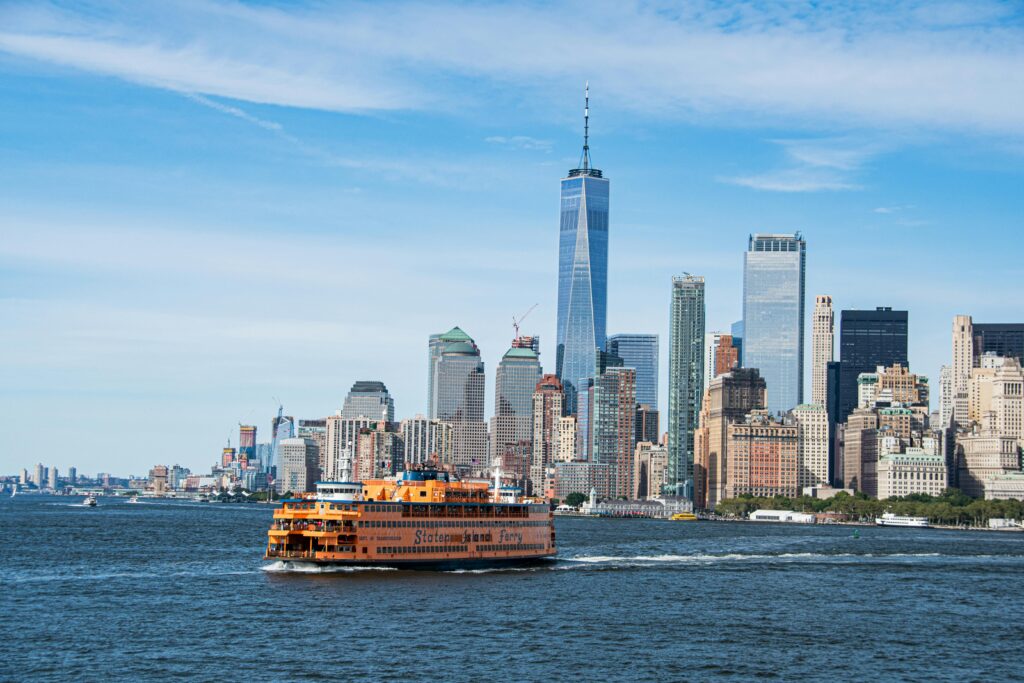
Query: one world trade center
582,277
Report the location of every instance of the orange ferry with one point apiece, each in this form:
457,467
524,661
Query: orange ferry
417,519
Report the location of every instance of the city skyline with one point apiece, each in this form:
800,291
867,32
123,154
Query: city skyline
186,251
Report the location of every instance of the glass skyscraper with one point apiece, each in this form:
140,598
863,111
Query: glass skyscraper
512,425
457,395
773,315
867,339
640,352
582,275
369,399
685,379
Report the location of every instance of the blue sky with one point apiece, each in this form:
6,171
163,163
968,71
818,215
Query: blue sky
206,205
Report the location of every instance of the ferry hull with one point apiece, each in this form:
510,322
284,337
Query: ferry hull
431,565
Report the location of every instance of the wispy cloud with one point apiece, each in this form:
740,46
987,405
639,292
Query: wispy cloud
439,173
949,65
234,111
520,142
892,209
813,165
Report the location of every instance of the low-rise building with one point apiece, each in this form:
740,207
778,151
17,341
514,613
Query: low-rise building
762,457
566,439
812,445
913,471
580,476
297,469
159,480
983,454
650,466
1005,486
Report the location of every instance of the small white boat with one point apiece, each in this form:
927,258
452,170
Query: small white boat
133,499
90,501
890,519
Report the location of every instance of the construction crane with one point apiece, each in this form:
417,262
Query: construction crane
516,323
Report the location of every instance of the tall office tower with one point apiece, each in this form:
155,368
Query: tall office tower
585,405
1002,339
297,465
512,425
72,476
247,436
25,477
264,451
813,437
979,388
893,385
640,352
727,356
730,397
762,457
425,438
832,398
434,345
860,451
737,341
315,429
711,342
568,433
247,443
822,348
945,395
720,356
342,442
685,378
458,398
647,427
283,427
773,315
650,461
52,479
548,401
582,273
613,425
1008,400
867,339
379,452
963,361
369,399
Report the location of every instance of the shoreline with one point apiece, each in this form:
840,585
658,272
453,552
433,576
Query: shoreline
941,527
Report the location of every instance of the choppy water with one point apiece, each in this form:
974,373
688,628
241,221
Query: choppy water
177,591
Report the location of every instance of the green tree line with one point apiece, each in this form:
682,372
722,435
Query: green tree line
952,507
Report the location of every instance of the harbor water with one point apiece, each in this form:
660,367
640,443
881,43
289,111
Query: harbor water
178,591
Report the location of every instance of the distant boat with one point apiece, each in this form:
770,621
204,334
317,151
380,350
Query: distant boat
890,519
683,517
133,499
90,501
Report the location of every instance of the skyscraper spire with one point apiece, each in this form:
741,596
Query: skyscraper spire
585,165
